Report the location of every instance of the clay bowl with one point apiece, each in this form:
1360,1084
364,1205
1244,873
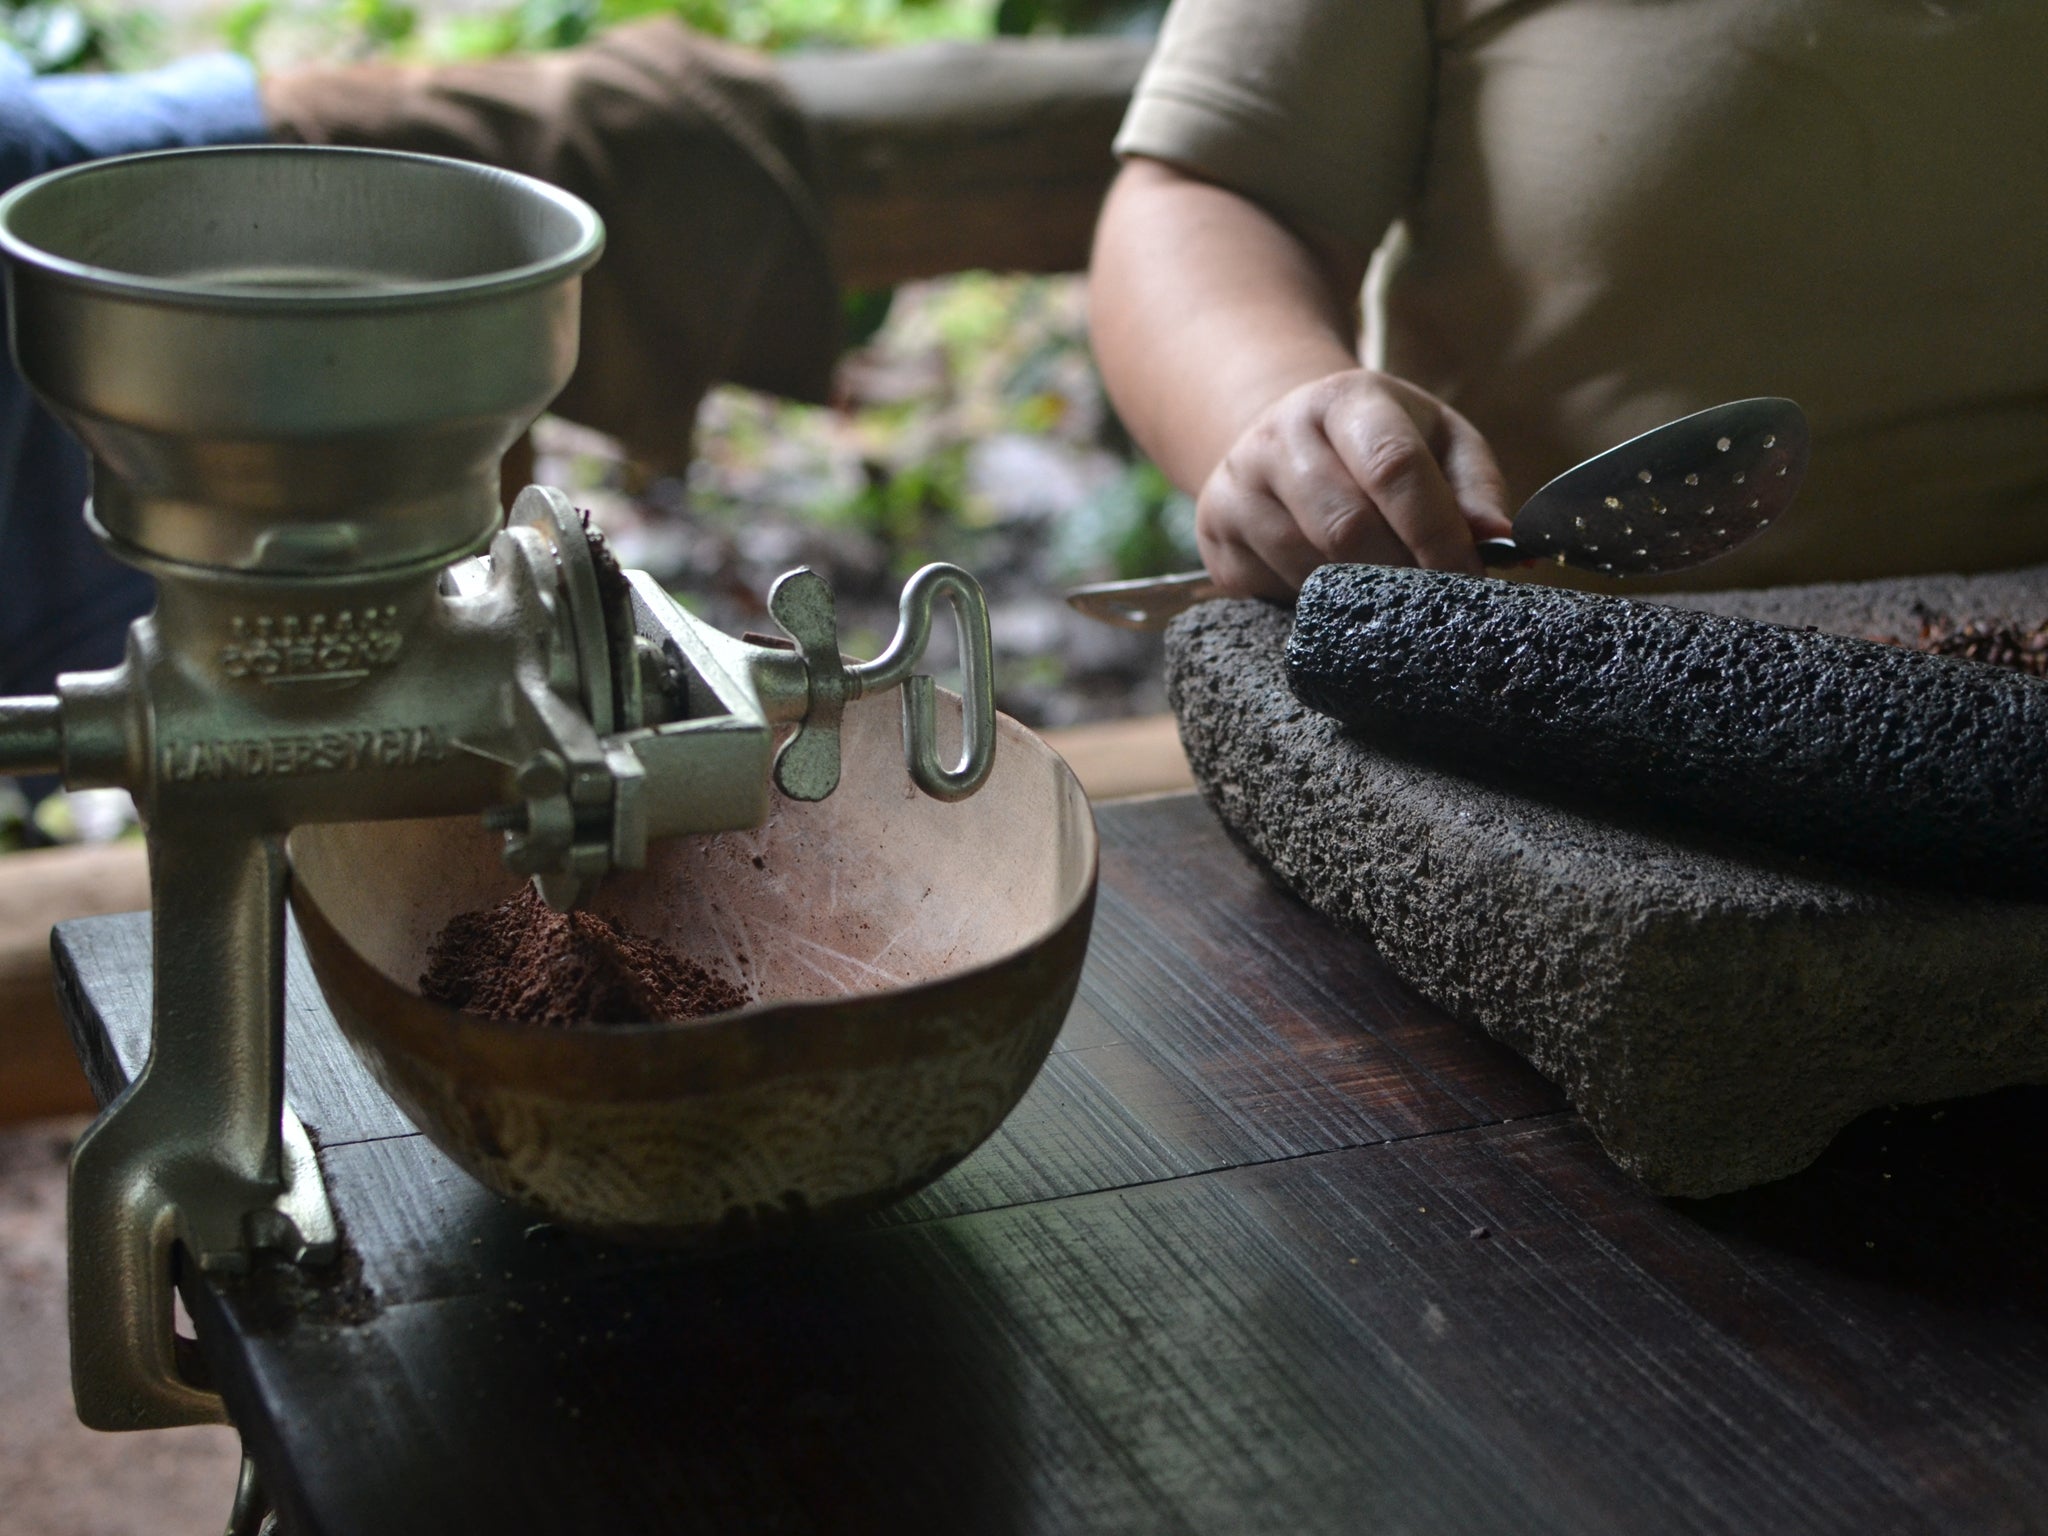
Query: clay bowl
911,963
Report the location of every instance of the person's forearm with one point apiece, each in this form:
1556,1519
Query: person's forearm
1204,310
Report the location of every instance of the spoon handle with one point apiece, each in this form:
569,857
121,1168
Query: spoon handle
1147,603
1152,601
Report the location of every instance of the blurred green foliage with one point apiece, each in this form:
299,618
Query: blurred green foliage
976,361
370,28
52,36
1139,525
792,23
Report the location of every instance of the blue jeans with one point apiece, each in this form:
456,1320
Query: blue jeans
63,604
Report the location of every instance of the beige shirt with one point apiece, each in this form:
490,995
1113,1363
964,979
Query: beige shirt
1613,212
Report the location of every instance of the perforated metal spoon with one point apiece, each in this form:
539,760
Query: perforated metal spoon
1678,496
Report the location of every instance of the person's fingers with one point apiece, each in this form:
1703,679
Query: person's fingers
1237,572
1473,473
1388,453
1358,467
1248,540
1334,515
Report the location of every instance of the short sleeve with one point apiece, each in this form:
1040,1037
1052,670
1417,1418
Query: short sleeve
1318,109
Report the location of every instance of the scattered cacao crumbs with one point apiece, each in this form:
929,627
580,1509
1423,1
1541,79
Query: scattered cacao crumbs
522,962
1998,645
611,576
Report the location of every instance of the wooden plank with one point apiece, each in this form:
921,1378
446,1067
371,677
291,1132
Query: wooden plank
1317,1345
1067,1366
39,1072
1120,759
1739,1371
998,1373
1219,1023
1341,1019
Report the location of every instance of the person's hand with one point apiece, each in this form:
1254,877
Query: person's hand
1358,467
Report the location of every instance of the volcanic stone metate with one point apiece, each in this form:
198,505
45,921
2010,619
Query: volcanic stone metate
1920,767
1716,1008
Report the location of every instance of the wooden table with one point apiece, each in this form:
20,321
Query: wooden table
1271,1246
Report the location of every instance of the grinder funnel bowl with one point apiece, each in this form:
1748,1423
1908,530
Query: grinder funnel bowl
295,361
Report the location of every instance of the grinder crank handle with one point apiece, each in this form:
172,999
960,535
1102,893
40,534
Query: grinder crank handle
807,767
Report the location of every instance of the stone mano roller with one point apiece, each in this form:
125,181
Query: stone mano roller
1919,767
296,371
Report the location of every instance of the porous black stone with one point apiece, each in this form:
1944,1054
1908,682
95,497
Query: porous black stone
1715,1008
1914,766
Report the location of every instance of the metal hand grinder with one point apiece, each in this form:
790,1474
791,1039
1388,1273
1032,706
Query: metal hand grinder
296,371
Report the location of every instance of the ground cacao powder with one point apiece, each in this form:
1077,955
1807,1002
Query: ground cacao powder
1999,645
522,962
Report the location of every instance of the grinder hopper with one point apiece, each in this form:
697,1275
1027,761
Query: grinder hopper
297,362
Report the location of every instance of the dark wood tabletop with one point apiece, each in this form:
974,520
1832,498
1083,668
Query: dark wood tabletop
1271,1245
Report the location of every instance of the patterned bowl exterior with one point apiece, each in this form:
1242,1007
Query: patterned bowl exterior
752,1121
